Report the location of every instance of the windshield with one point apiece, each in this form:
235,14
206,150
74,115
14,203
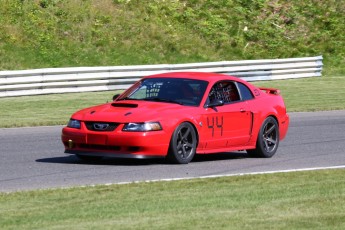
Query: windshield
171,90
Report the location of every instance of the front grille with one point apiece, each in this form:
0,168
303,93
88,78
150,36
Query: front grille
101,126
100,147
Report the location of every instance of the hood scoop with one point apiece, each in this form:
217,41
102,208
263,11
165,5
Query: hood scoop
124,105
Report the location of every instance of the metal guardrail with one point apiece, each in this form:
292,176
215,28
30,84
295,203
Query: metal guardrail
85,79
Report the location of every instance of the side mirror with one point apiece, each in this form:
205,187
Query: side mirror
215,103
115,96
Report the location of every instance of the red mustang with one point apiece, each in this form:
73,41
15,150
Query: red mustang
180,114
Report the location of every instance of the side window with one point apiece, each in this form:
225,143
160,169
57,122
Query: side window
225,91
245,92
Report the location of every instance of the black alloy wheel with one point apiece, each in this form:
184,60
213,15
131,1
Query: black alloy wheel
268,139
182,144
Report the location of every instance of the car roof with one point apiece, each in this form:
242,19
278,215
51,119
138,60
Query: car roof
210,77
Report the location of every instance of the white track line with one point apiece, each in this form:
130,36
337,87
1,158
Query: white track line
230,175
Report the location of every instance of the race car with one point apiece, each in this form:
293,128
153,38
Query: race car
176,115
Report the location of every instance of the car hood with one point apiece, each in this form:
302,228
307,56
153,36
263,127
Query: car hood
129,111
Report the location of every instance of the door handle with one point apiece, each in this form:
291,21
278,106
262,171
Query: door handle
242,110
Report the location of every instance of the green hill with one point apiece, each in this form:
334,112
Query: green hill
62,33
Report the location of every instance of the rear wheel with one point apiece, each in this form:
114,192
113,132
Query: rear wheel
182,144
268,139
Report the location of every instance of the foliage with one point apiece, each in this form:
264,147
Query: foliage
60,33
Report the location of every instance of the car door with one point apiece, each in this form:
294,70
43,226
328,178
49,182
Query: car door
229,124
238,121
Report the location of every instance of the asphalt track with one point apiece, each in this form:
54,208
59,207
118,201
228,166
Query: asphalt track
33,158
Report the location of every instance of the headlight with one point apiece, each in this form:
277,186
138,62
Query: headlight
142,127
74,124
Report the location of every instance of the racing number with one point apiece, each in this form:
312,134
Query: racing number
213,126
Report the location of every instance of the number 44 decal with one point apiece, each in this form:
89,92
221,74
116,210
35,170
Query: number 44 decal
215,123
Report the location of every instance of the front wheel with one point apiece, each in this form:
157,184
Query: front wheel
268,139
182,144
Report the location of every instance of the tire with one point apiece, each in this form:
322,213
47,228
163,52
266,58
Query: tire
182,144
89,158
268,139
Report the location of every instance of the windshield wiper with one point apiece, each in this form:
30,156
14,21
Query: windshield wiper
162,100
128,98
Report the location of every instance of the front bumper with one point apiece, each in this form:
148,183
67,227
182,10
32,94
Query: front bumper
110,154
284,126
115,143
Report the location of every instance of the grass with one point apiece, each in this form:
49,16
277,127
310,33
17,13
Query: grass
309,94
54,109
303,200
59,33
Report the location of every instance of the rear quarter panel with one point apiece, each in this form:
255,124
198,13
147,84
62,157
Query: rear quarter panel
265,105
